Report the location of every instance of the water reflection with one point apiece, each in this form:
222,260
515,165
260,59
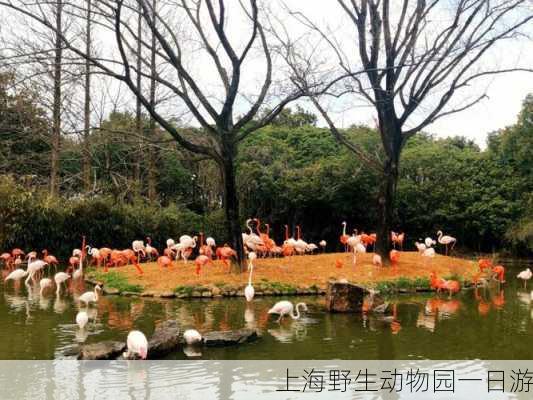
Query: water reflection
427,326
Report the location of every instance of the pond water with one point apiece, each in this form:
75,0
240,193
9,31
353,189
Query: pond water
484,324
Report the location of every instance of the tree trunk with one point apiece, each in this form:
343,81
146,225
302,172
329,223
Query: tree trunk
150,150
87,107
386,208
138,116
231,207
56,108
392,140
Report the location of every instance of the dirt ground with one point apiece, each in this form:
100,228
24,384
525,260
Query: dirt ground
299,271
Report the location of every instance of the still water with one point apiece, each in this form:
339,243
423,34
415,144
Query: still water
488,324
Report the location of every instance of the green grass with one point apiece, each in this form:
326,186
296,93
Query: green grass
403,283
116,280
278,286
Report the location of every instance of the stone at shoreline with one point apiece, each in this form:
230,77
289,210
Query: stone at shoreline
345,297
148,293
130,294
167,295
111,291
165,340
229,338
107,350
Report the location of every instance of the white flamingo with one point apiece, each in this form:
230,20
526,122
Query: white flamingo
210,242
78,273
376,260
76,253
249,290
139,248
323,245
421,246
16,275
137,345
90,297
59,278
525,275
81,319
446,240
192,336
285,307
428,254
34,267
429,242
300,245
358,248
43,284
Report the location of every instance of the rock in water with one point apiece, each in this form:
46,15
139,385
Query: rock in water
229,338
165,340
107,350
344,297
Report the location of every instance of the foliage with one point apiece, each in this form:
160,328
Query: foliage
116,280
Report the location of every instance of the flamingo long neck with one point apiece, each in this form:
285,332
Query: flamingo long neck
248,226
45,253
268,229
258,227
297,232
344,229
250,274
286,232
297,315
95,294
201,239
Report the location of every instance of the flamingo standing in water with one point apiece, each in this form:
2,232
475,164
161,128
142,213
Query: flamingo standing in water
137,345
525,275
249,290
285,307
50,259
43,284
90,297
59,278
446,240
16,275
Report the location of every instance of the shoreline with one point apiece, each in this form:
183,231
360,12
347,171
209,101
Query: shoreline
300,276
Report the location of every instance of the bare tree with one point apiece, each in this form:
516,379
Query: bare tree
414,62
56,112
86,165
190,34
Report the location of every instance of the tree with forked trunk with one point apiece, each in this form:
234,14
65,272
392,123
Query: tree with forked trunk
191,38
414,63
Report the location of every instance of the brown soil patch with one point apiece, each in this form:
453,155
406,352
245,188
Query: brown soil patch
298,271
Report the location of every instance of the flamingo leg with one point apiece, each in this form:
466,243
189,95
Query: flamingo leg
139,269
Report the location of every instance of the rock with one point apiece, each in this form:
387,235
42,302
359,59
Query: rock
167,295
196,293
229,338
111,291
70,353
148,294
107,350
207,293
130,294
165,340
345,297
216,292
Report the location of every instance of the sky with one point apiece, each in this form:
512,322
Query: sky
505,92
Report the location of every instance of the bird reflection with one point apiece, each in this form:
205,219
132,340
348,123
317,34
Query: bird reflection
192,351
60,305
249,317
287,333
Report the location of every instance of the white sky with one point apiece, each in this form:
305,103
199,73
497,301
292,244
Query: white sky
505,92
